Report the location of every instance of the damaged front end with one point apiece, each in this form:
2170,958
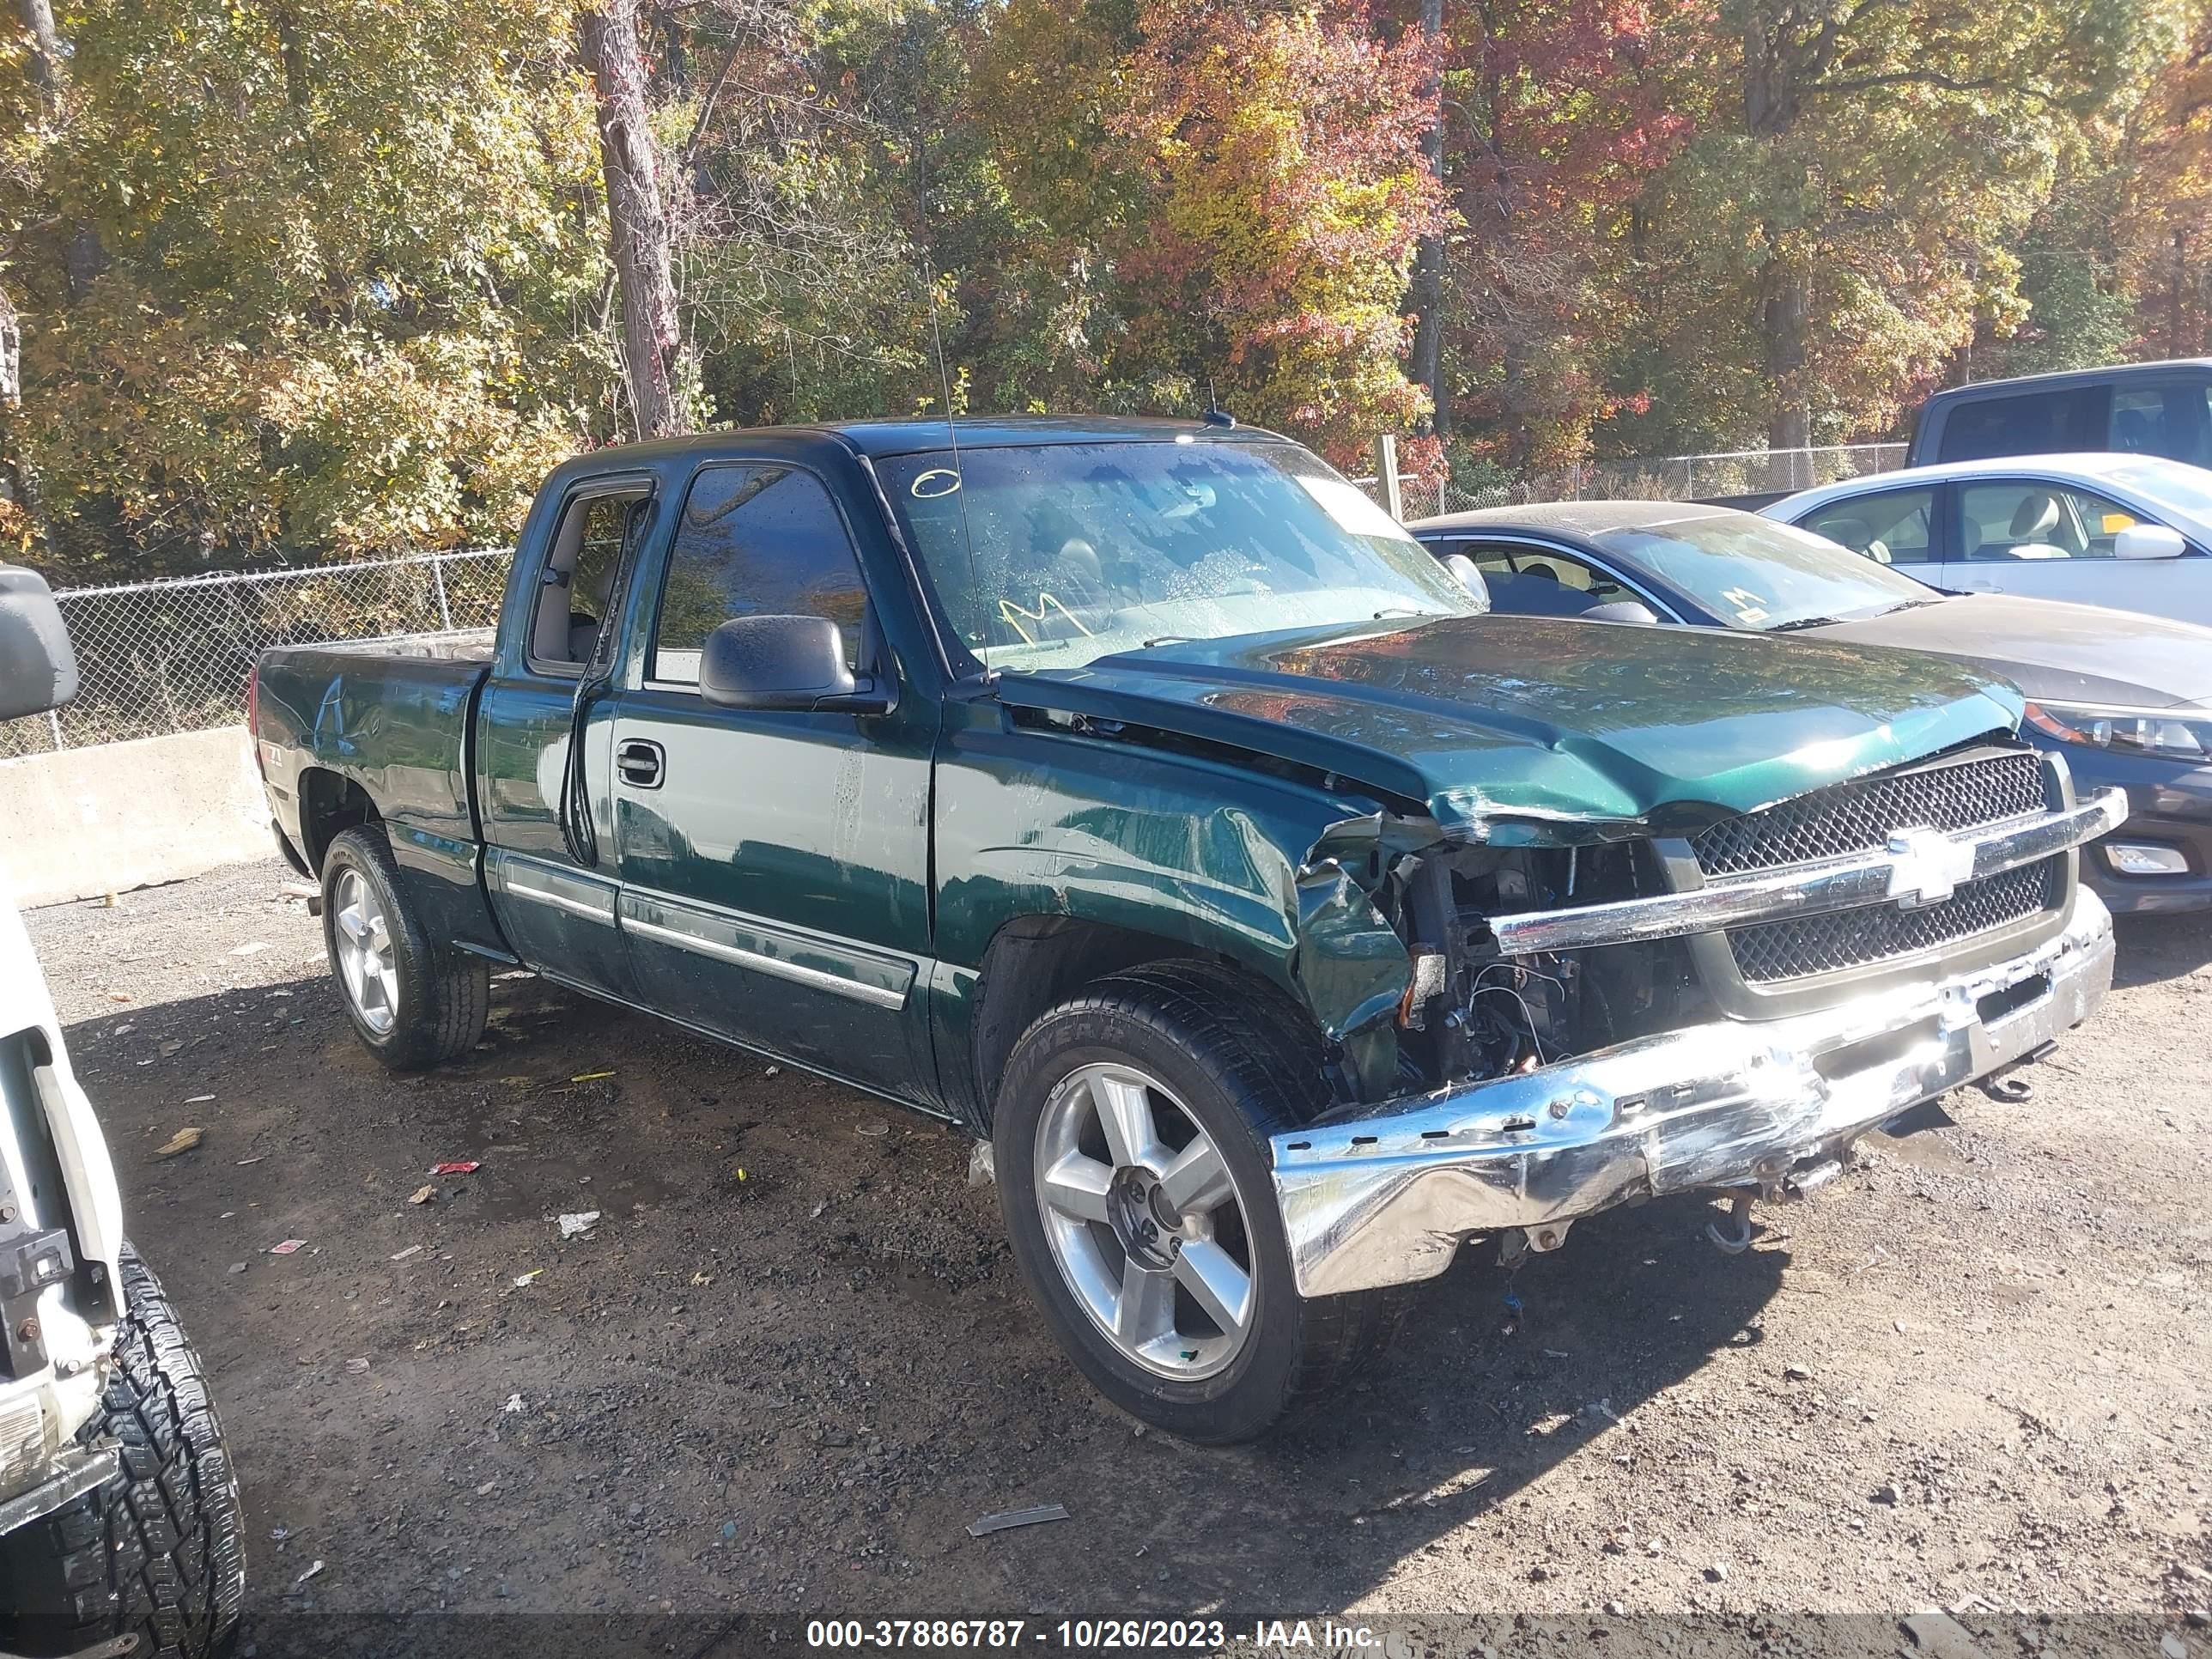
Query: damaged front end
1551,1028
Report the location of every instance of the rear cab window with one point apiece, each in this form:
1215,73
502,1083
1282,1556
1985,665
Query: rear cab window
576,582
2025,423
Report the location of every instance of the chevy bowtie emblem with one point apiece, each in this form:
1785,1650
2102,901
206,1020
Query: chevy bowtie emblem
1929,866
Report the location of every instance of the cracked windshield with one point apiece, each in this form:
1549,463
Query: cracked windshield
1049,556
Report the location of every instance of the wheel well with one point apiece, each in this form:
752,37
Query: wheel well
328,805
1035,963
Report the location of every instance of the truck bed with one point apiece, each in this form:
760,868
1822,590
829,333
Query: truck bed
392,718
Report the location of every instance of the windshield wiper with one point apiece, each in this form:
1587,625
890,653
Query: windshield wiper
1856,615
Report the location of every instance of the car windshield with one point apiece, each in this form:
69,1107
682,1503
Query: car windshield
1754,572
2176,483
1051,555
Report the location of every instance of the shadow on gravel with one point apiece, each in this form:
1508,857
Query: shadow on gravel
1477,1401
2154,948
795,1334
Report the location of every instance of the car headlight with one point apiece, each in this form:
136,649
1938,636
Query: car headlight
2141,731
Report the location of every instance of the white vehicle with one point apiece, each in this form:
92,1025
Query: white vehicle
120,1526
2133,533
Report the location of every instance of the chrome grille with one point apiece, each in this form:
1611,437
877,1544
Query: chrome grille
1860,817
1804,946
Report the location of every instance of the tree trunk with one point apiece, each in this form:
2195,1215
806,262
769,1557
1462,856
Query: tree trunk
1783,306
2175,300
45,63
637,218
1426,295
11,361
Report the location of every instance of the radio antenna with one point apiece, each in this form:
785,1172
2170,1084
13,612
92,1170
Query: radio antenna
952,439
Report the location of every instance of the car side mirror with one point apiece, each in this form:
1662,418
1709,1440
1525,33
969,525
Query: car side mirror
782,662
1468,574
1622,610
2148,541
38,669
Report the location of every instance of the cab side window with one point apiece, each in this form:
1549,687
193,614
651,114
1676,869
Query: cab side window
575,587
1893,527
2162,420
755,540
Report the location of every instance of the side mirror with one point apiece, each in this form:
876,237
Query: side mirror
1624,610
38,669
1468,574
2148,541
781,662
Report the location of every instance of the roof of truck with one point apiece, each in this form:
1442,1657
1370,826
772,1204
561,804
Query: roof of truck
2058,379
907,437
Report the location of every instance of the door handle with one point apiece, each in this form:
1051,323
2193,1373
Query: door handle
640,762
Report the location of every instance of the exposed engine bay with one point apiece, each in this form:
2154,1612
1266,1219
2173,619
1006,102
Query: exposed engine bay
1470,1014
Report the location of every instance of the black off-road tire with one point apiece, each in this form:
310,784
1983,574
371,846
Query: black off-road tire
159,1552
1246,1069
444,995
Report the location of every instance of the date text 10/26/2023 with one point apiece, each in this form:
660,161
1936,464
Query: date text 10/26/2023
1101,1636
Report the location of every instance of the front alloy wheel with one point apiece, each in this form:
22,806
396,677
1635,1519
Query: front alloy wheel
1130,1132
1145,1221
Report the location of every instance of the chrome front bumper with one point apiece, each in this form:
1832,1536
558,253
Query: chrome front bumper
1386,1196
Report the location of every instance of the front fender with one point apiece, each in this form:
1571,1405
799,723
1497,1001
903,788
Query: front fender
1270,873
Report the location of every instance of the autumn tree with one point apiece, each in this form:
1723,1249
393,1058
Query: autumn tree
1558,114
1850,208
2164,195
637,220
1285,196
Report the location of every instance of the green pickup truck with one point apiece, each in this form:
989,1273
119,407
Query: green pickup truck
1137,795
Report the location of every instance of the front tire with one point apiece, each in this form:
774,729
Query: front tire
1131,1147
159,1552
412,1004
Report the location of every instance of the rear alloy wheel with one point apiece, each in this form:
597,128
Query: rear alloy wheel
361,942
1130,1140
413,1002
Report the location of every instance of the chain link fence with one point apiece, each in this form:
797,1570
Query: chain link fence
173,656
1723,476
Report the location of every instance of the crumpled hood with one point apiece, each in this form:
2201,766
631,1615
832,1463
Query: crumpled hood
2049,648
1521,729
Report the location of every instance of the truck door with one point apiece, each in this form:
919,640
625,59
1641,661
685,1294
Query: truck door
775,864
558,913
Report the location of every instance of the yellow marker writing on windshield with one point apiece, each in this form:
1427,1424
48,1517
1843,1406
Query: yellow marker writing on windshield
1014,615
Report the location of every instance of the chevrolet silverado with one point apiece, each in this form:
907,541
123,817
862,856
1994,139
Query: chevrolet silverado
1137,795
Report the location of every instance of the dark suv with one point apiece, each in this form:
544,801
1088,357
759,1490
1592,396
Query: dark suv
2144,409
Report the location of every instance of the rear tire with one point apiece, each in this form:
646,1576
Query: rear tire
1213,1063
412,1002
159,1552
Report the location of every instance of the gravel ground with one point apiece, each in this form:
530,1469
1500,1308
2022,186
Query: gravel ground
792,1359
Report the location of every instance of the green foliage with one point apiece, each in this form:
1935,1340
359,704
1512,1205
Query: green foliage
340,257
